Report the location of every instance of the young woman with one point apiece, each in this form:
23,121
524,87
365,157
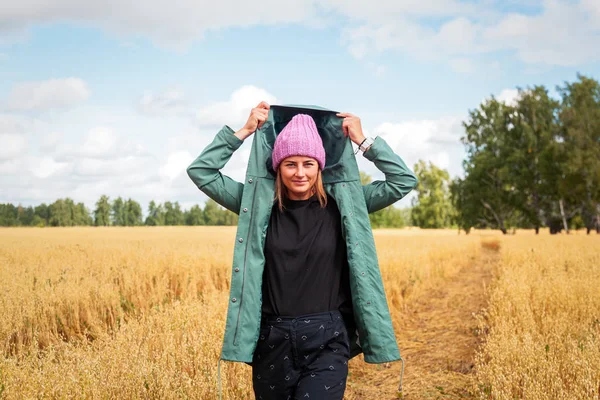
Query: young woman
306,291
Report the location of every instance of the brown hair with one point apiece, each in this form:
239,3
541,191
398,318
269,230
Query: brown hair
281,191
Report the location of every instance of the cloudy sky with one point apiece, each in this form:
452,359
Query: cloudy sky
118,98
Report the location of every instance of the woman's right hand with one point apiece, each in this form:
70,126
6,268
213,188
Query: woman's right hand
258,116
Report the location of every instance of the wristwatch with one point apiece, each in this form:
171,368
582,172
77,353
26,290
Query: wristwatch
365,144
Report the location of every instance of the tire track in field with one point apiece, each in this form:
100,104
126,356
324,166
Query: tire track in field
438,338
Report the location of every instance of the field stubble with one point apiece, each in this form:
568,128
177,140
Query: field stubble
139,312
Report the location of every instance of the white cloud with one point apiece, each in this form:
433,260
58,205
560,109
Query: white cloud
562,34
101,142
11,145
7,168
593,8
509,96
176,164
47,167
390,10
435,140
45,95
454,34
16,124
171,101
57,161
50,140
431,140
441,159
235,111
463,65
169,23
117,169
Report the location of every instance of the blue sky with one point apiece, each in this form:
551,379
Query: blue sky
118,98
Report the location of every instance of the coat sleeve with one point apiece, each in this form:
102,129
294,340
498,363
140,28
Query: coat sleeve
205,171
399,180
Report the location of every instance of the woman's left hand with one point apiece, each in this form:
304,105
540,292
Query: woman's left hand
352,127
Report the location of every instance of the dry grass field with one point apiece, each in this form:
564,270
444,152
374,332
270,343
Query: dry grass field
104,313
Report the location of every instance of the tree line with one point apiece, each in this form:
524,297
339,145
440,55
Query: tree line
121,212
118,212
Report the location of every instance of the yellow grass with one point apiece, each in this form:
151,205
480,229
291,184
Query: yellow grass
544,321
139,312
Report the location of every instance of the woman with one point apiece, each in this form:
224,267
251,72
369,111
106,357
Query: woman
306,291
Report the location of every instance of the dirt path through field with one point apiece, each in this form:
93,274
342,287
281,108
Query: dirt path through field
438,339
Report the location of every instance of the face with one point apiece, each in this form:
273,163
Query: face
299,175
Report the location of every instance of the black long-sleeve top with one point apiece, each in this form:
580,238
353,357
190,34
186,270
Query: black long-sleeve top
306,268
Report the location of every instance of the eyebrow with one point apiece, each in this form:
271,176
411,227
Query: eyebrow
296,162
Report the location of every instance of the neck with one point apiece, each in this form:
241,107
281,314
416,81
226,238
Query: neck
300,196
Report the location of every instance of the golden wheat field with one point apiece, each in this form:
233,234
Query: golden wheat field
112,313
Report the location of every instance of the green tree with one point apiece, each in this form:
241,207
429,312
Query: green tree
579,185
173,214
42,215
102,211
390,217
133,213
8,215
212,213
432,208
81,215
60,213
25,215
156,214
487,195
530,134
119,217
194,216
229,218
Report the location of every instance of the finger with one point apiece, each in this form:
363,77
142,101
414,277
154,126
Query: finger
342,115
262,117
263,105
345,128
260,113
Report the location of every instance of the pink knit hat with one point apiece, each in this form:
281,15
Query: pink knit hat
299,138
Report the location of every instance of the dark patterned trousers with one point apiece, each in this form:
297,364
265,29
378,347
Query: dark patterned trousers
302,358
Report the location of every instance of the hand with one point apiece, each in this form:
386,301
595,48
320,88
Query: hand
258,116
352,127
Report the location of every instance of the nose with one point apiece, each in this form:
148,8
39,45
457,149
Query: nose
300,171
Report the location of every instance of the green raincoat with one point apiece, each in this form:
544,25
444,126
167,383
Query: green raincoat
253,201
